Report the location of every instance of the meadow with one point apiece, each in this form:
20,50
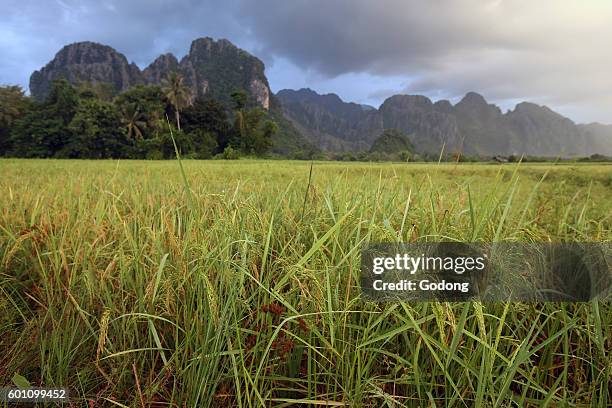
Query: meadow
236,283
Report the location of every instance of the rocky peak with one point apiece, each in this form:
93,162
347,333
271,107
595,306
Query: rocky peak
366,107
473,99
308,95
475,106
86,62
201,45
303,94
87,52
443,106
158,69
211,68
217,68
331,102
547,131
526,112
529,108
328,121
428,126
419,102
207,47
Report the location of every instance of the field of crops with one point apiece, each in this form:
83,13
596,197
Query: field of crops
236,283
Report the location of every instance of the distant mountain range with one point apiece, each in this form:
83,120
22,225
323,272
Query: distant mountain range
309,120
472,126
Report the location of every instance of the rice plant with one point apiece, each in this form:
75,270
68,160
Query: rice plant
236,284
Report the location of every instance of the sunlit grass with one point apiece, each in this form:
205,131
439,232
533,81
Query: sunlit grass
109,278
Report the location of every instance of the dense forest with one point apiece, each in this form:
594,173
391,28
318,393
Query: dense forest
89,122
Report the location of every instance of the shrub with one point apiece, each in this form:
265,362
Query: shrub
229,154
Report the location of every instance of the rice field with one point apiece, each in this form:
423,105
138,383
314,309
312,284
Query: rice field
236,284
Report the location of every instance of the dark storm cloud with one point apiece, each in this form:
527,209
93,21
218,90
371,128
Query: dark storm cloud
554,52
549,51
384,37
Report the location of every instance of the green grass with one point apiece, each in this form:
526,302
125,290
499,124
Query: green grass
113,284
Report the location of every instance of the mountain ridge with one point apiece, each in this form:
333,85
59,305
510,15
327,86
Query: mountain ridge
472,126
216,68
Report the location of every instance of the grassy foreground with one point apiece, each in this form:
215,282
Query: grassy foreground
119,284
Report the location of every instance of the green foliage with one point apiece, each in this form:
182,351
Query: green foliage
80,123
597,158
177,94
221,79
146,99
44,130
208,116
375,156
239,99
252,131
405,155
38,134
63,101
392,141
134,120
287,141
13,105
142,110
160,146
204,143
98,90
258,138
305,154
228,154
96,132
346,156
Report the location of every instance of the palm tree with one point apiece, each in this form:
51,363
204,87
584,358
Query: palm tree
177,93
134,121
240,117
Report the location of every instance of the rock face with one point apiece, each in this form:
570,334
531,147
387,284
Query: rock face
472,126
261,92
428,127
329,122
543,132
212,68
158,69
218,68
86,62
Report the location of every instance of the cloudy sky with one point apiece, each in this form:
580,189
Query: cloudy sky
553,52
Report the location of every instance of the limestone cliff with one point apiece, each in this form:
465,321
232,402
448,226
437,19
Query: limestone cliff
211,68
86,62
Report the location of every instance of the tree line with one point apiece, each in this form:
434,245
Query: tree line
89,122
